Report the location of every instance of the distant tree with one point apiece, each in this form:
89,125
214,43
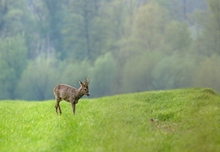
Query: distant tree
45,26
172,72
55,17
136,73
75,71
207,73
146,36
177,38
155,38
181,9
104,76
149,26
11,15
208,29
93,27
79,29
38,80
147,31
13,60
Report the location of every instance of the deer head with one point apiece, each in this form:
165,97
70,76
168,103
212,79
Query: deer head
85,87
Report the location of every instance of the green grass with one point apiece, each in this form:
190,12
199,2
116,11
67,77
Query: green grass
183,120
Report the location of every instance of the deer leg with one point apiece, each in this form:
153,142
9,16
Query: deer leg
74,107
57,106
60,110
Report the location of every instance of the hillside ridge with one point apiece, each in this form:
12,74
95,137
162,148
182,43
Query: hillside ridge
170,120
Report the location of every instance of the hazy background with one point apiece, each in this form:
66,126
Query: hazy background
122,45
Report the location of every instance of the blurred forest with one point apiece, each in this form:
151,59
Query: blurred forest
122,45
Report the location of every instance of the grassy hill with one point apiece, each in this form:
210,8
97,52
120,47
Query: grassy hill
173,120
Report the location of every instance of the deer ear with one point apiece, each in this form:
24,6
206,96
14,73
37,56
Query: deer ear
80,82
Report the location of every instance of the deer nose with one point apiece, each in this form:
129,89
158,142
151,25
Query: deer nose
88,94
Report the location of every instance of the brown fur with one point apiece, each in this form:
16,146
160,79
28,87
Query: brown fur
70,94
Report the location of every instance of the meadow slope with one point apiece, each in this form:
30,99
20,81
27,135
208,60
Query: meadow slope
172,121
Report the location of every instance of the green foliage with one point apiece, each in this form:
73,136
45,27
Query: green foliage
72,73
208,38
147,32
175,71
55,14
123,46
207,75
169,121
136,72
84,34
13,60
38,80
177,37
11,15
104,75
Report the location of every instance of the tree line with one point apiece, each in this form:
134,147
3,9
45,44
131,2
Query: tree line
123,46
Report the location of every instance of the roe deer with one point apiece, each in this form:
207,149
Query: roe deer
70,94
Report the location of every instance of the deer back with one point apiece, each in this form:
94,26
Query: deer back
65,92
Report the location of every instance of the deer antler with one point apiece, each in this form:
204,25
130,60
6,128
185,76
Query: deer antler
87,81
